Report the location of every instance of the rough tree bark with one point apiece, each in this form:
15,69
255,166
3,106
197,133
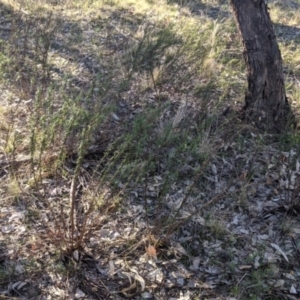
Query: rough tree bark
266,102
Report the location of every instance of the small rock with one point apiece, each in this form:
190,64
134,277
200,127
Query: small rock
279,283
79,294
180,281
146,295
191,284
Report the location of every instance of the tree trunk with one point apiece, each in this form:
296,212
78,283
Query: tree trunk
266,102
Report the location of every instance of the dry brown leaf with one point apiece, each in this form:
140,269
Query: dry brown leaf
245,267
244,174
125,291
269,180
151,251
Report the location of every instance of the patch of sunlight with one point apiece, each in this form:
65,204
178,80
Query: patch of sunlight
13,188
70,68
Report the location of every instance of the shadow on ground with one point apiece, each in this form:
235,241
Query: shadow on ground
287,33
26,44
219,12
199,8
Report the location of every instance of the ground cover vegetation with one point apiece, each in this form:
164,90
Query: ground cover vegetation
125,169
